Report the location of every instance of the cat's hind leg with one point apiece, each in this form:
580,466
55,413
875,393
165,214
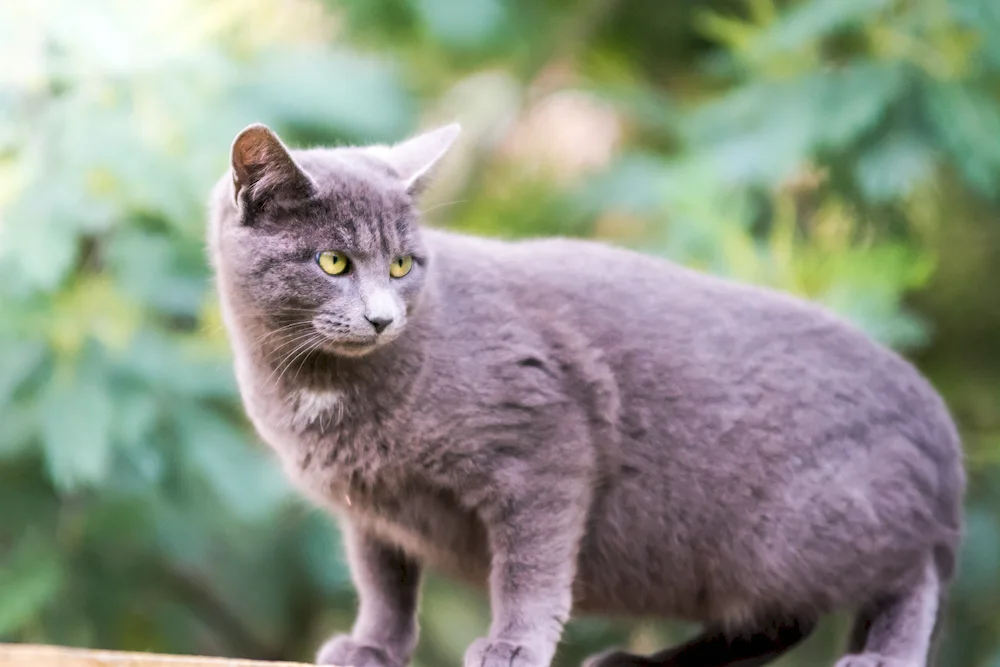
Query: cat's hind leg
897,631
716,648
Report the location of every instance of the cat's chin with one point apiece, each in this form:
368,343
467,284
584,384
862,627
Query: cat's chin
352,348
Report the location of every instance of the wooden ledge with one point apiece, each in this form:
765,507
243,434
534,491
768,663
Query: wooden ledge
29,655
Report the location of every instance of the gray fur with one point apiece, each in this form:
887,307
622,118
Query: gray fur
576,427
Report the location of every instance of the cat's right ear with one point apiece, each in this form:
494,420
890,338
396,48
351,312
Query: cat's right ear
263,169
414,158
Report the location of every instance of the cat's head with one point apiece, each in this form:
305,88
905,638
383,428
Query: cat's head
324,244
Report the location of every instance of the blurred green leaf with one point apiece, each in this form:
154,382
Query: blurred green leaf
357,96
77,423
244,479
30,577
20,427
981,557
18,360
174,364
137,413
808,22
38,248
967,123
149,269
891,169
464,24
323,553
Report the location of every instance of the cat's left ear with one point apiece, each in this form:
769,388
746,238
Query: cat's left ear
263,168
414,158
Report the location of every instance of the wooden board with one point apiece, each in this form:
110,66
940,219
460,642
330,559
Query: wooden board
29,655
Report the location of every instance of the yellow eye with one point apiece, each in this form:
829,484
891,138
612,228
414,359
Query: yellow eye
401,266
333,263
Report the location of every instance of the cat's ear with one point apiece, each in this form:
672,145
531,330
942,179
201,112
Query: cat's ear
263,168
414,158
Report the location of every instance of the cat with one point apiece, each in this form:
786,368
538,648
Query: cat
575,427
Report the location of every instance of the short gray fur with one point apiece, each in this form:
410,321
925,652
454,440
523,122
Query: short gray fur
576,427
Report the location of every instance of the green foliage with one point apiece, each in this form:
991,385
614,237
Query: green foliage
844,150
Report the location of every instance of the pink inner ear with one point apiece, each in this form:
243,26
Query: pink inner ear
261,164
255,148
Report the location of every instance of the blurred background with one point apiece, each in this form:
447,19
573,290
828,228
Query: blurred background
844,150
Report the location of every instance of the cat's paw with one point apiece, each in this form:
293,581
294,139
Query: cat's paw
488,653
343,651
872,660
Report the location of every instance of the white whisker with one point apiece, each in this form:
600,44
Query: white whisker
288,327
303,352
437,206
298,339
302,335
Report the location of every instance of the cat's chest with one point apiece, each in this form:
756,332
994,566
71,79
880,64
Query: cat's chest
359,465
332,441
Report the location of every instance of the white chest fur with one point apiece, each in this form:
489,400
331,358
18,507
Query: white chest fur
323,408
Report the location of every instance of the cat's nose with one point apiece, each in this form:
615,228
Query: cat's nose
380,322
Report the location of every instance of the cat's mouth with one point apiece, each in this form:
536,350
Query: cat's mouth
353,343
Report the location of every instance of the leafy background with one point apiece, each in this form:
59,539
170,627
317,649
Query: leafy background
844,150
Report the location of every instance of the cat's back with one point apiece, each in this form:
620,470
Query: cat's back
698,359
625,301
571,276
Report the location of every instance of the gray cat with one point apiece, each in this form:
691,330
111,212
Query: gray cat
576,427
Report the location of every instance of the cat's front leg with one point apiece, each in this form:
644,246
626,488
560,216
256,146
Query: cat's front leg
387,582
534,539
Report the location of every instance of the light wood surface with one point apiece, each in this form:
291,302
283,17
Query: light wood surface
28,655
